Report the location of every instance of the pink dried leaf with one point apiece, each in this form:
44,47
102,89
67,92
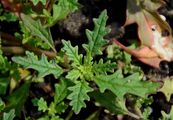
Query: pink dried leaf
153,46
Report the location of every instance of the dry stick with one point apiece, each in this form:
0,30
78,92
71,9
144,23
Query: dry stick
50,54
134,115
13,50
9,39
19,48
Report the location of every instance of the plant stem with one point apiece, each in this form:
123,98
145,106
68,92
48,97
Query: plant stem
133,115
93,116
69,115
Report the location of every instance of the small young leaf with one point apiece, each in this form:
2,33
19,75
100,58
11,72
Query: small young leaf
95,37
9,116
101,67
7,16
42,66
72,52
52,109
120,86
78,95
146,113
60,108
61,10
73,74
17,99
42,105
38,30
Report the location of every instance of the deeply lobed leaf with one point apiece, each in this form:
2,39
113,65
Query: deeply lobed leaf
61,10
38,30
95,37
42,66
102,67
73,74
78,95
72,52
120,85
42,105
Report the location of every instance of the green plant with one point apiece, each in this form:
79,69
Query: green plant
9,115
80,75
7,16
60,11
57,106
84,70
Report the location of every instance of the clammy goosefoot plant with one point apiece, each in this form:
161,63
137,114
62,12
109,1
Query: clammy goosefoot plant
83,72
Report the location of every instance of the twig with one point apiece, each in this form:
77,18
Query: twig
13,50
16,47
10,50
9,39
50,54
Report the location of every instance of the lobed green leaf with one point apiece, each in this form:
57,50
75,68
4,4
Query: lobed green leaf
95,37
42,66
78,95
102,67
120,85
61,10
73,74
38,30
42,105
72,52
